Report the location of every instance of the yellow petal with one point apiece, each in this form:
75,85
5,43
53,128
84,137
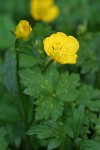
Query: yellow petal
47,46
58,39
23,29
72,45
71,59
34,9
43,10
51,14
61,48
55,40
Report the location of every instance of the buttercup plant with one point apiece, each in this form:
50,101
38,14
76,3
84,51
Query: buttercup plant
50,84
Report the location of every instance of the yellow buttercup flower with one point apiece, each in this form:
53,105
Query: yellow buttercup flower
44,10
61,48
23,30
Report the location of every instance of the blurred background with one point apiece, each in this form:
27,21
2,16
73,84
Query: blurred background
73,13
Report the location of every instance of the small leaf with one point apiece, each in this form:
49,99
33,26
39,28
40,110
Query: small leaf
74,124
42,131
54,132
78,120
53,143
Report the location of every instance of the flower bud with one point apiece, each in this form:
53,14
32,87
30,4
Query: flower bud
23,30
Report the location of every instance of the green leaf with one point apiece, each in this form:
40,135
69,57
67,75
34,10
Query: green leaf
87,59
48,107
33,81
89,145
53,143
78,120
42,131
74,124
94,105
66,87
50,90
85,98
54,132
52,75
38,84
91,98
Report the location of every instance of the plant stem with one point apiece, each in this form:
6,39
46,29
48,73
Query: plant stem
21,103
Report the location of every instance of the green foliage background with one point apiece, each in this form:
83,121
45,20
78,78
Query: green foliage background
60,107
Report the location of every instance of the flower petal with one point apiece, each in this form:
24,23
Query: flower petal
55,40
47,45
71,59
72,45
51,14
